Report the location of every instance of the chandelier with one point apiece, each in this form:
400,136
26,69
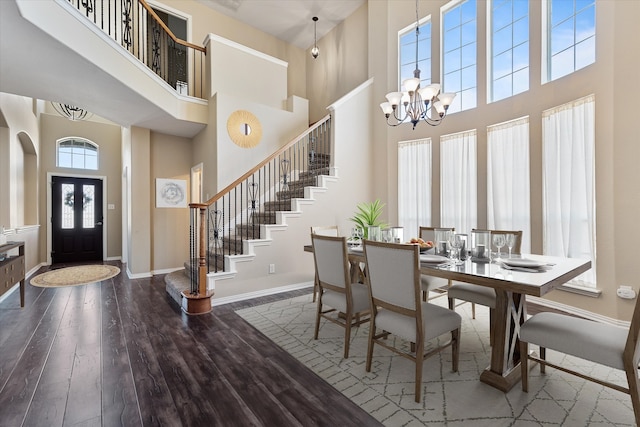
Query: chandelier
71,112
426,103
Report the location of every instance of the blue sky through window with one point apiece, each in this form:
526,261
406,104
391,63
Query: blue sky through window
572,36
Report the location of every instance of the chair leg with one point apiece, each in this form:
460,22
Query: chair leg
452,304
473,310
315,291
318,311
524,365
372,332
634,388
424,296
543,356
455,349
419,360
347,335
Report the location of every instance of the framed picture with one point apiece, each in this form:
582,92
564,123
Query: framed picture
171,193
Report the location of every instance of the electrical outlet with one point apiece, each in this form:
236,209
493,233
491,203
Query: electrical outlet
272,268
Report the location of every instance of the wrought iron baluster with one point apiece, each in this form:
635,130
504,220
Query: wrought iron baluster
126,21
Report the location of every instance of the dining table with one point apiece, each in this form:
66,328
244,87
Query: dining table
511,285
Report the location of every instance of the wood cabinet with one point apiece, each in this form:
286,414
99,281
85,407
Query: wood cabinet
12,268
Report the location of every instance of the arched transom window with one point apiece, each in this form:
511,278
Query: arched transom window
76,153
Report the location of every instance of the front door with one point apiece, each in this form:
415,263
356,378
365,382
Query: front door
76,218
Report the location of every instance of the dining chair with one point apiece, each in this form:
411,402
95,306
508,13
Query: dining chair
346,303
396,308
477,294
604,344
323,230
431,283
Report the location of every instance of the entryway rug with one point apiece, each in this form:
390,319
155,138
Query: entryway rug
74,276
450,399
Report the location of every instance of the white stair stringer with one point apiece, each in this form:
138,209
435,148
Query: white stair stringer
232,261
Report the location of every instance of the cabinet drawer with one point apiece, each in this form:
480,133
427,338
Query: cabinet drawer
11,272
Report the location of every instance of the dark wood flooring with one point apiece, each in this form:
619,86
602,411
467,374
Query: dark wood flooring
121,352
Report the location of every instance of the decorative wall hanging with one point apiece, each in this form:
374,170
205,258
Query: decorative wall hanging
171,193
244,129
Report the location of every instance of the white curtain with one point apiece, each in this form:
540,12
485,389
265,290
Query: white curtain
414,185
459,181
508,201
569,183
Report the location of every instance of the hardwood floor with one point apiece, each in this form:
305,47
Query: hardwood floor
121,352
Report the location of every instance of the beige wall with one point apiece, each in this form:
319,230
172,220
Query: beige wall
341,65
170,158
54,127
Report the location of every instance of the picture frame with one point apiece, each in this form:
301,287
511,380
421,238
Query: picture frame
171,193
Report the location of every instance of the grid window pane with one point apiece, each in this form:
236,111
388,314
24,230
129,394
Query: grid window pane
459,57
571,36
77,154
88,206
510,47
407,52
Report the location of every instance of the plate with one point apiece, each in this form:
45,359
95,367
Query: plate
523,262
435,259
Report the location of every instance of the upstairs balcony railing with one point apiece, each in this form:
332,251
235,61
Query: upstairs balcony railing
221,226
137,27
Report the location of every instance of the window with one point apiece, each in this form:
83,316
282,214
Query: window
508,202
568,193
509,48
459,181
571,32
77,153
459,57
414,185
407,49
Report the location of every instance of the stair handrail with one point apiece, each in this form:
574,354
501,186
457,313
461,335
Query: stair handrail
208,221
184,72
253,170
168,31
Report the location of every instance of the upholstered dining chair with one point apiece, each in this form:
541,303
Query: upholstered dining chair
396,308
482,295
323,230
339,301
605,344
431,283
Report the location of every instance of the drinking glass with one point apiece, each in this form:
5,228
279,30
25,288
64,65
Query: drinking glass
455,242
510,241
499,242
356,234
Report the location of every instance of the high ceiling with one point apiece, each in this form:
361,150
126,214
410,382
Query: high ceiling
288,20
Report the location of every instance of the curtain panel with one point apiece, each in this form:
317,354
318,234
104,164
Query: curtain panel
569,183
414,185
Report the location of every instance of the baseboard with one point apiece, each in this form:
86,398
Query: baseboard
262,293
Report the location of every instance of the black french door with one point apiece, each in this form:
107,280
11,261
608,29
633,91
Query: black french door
76,218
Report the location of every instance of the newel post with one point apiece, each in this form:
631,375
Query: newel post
198,300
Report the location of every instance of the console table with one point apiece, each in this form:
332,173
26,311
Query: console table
12,268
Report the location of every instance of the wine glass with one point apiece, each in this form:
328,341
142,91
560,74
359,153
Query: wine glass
510,242
499,242
358,234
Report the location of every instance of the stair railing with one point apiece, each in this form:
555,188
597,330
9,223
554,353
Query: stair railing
137,27
221,226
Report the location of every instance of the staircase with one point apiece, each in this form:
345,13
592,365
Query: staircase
243,213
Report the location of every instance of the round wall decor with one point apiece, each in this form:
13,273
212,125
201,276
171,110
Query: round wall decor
244,129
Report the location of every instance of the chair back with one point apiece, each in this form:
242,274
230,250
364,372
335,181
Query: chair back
393,274
325,230
429,233
331,262
518,243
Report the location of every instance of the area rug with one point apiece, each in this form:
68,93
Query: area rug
74,276
452,399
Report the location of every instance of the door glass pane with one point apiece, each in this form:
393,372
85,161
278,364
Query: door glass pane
67,206
88,206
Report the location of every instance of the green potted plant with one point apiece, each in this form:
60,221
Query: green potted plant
368,214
